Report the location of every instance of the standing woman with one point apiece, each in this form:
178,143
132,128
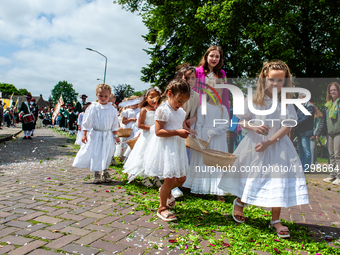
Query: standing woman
210,67
331,122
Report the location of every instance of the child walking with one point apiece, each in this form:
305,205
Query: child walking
80,125
165,155
120,147
199,179
129,119
129,115
273,149
134,163
112,100
188,73
101,119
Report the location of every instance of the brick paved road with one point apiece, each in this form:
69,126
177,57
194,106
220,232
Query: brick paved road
47,208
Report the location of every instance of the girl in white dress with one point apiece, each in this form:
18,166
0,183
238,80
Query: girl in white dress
120,147
188,73
129,116
80,123
166,155
134,164
273,149
99,146
200,179
135,132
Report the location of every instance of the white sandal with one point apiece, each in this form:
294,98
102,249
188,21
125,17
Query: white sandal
166,216
240,205
279,229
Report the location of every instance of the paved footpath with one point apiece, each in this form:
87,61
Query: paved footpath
46,207
7,133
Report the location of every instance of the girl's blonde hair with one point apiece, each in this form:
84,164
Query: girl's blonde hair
103,87
133,97
112,98
259,95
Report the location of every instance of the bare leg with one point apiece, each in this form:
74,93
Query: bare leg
239,210
178,182
164,193
276,211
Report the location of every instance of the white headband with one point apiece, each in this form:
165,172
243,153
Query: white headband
152,89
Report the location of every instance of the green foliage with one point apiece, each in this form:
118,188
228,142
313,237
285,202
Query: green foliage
140,93
66,90
11,89
205,218
176,35
304,34
122,91
22,92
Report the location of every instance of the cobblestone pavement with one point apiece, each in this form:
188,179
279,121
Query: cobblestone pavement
46,207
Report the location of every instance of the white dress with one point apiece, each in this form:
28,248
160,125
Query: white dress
134,164
96,154
166,157
128,114
200,179
278,188
120,147
80,133
135,133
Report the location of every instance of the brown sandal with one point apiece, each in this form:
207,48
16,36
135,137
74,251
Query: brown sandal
166,216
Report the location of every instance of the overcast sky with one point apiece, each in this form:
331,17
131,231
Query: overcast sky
43,42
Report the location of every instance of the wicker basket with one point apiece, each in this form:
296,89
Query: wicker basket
213,158
192,143
124,132
131,142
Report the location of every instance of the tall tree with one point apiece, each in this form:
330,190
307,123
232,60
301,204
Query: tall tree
122,91
10,89
23,92
176,35
303,33
66,90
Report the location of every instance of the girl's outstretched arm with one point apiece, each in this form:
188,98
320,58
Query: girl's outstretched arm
161,132
283,131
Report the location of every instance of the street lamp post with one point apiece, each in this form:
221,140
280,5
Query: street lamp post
105,61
